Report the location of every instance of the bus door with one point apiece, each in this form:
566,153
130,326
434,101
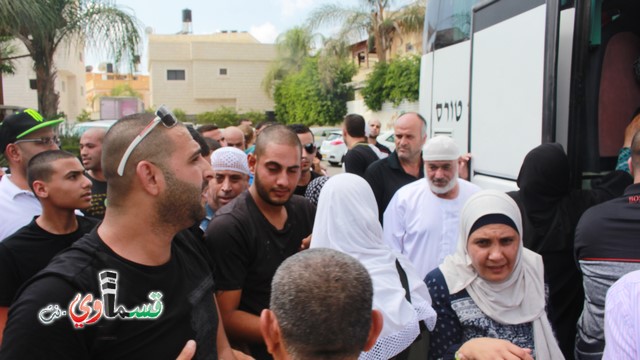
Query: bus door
509,115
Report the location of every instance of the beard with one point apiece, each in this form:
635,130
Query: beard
264,194
439,190
181,204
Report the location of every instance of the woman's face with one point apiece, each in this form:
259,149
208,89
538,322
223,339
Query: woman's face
493,250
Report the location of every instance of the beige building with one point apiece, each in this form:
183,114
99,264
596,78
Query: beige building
20,89
102,84
199,73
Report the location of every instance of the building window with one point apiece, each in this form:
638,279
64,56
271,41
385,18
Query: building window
223,71
33,84
81,90
175,75
64,86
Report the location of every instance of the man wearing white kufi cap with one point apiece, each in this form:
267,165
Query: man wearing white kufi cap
421,221
231,179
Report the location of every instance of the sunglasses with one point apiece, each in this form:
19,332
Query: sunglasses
310,148
41,141
164,116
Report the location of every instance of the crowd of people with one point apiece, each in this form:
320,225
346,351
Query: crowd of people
161,240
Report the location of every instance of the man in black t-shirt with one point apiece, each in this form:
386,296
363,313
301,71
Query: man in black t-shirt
360,154
309,150
138,286
251,236
56,178
91,154
372,137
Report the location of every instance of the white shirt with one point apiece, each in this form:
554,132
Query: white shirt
422,226
622,319
17,207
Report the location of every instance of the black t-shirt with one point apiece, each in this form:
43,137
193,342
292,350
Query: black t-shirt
173,303
382,148
98,199
301,189
246,249
385,177
358,159
29,250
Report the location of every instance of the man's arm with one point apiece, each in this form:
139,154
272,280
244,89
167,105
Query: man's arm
240,325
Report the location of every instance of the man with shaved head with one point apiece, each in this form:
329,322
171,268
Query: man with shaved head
91,155
137,286
250,237
234,137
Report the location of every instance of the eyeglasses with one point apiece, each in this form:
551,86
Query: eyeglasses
310,148
41,141
164,116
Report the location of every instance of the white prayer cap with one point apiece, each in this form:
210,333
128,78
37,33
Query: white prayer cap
440,148
230,158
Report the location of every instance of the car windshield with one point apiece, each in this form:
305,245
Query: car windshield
333,136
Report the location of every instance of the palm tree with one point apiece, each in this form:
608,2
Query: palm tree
43,25
292,48
371,19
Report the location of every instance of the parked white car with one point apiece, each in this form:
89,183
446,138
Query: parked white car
387,139
333,148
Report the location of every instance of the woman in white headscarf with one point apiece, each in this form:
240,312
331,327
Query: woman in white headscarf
347,220
490,294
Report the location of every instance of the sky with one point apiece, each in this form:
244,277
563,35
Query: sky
264,19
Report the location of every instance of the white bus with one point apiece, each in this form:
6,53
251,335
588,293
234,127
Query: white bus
504,76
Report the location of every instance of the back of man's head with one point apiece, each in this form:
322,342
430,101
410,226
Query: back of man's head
41,165
354,125
276,134
155,147
322,300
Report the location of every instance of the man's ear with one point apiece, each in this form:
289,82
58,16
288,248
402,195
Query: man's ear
40,189
270,331
253,161
150,177
374,331
12,153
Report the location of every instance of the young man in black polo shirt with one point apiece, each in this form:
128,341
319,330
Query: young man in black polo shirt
252,235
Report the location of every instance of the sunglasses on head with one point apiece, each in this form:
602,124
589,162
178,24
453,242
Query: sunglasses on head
164,116
310,148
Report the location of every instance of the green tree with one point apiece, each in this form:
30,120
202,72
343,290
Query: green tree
372,19
43,25
301,98
292,49
395,81
374,91
223,116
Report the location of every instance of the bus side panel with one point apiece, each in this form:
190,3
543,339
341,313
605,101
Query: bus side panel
507,91
426,90
449,107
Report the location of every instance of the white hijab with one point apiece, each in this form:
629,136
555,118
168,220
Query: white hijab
347,221
521,297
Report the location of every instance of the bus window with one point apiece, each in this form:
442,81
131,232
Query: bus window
447,22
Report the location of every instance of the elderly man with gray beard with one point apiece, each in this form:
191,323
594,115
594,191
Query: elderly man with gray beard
421,221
